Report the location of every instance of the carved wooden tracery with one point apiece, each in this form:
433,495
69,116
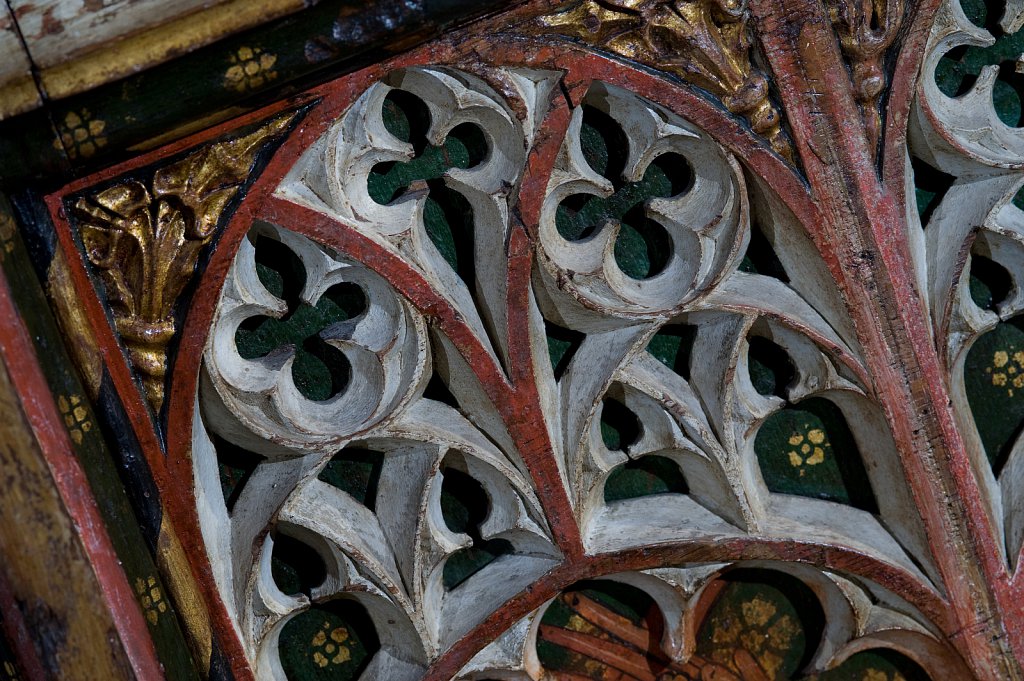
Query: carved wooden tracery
781,129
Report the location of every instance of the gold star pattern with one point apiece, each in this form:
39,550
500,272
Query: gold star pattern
1007,370
152,599
809,448
329,646
76,416
250,68
80,135
756,627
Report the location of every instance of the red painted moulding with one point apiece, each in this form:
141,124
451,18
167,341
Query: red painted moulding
902,89
519,406
172,467
902,92
894,169
19,356
517,398
347,240
875,274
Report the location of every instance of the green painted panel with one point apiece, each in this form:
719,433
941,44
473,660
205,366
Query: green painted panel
876,665
761,258
333,641
772,616
620,427
296,567
994,381
562,346
237,74
807,450
673,347
236,466
356,472
643,477
760,618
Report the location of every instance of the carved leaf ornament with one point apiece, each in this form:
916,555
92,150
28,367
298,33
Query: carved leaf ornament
144,240
514,376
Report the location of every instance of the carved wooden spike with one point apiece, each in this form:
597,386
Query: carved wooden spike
705,42
144,237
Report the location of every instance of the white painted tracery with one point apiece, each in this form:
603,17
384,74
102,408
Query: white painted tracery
391,559
965,138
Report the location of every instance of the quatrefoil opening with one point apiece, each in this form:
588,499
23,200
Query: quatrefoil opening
632,221
320,371
642,246
308,347
422,496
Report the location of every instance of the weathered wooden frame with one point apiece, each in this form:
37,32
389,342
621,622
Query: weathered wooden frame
848,194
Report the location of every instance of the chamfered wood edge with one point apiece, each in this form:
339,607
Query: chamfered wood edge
60,568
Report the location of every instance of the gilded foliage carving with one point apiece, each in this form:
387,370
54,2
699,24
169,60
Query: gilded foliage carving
706,42
144,237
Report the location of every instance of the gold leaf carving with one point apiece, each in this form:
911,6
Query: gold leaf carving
866,30
705,42
145,236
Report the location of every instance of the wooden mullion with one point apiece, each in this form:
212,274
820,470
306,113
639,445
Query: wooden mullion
93,454
60,565
856,236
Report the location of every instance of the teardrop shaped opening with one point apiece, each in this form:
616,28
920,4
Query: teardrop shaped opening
295,566
465,506
643,477
334,640
808,450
